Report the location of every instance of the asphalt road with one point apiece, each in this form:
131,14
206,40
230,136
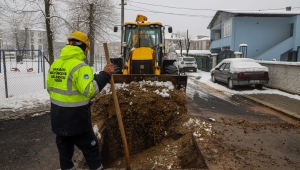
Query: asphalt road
258,137
263,138
28,144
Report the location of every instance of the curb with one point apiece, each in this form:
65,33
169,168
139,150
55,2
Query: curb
286,112
7,115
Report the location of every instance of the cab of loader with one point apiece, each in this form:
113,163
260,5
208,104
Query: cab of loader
143,47
143,53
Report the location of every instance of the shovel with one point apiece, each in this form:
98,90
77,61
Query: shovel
118,112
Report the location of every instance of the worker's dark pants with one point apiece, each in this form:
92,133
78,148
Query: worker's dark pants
86,142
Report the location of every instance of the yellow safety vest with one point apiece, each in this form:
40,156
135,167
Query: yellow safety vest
70,82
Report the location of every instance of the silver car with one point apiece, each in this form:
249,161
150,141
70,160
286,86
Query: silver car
239,72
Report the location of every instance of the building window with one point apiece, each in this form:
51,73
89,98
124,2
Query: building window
39,40
32,34
32,40
40,34
227,28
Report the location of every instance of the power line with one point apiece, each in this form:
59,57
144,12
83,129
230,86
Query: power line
198,9
173,7
202,16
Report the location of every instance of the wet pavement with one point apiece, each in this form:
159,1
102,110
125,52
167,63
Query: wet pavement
283,104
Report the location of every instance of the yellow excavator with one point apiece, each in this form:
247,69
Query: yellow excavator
143,54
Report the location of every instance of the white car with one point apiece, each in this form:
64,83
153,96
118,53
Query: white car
186,64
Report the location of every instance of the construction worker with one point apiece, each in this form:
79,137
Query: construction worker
71,85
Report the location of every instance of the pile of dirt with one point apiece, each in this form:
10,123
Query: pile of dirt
159,131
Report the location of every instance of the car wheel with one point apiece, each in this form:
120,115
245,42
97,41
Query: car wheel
259,86
230,84
213,79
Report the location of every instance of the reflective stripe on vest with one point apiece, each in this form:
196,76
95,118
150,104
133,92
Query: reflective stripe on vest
75,104
70,92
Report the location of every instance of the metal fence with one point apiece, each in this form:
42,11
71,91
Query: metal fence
225,54
28,74
21,74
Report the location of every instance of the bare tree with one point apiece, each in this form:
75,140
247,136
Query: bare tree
95,17
184,41
15,23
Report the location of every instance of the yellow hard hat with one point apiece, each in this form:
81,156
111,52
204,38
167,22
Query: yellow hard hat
78,35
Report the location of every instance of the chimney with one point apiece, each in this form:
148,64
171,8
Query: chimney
288,8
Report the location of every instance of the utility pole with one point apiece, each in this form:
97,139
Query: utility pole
187,43
91,35
122,22
49,31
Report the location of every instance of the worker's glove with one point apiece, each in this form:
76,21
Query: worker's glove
102,79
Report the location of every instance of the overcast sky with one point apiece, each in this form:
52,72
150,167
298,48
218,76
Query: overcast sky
172,12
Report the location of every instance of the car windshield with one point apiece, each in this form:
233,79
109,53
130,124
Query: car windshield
188,59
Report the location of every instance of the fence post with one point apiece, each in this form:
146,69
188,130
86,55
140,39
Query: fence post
214,59
238,54
5,76
0,59
44,74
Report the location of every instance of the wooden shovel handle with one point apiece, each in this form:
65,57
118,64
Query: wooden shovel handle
118,112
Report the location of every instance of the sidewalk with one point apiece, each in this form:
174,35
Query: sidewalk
286,105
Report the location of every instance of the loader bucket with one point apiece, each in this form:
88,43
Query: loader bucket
179,81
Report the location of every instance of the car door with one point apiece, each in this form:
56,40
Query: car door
222,67
226,72
218,72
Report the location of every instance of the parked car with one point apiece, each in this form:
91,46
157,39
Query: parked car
186,64
239,72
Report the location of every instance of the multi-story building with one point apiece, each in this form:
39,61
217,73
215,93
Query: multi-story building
37,40
261,35
201,43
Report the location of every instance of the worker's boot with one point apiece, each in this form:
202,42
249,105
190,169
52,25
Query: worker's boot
100,168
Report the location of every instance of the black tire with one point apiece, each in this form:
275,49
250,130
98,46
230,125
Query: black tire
230,84
171,69
213,78
258,86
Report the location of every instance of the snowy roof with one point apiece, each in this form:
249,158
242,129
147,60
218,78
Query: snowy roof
269,12
235,12
201,39
196,52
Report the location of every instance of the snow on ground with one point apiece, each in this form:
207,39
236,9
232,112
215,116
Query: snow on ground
37,98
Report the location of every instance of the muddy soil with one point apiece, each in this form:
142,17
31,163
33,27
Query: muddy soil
159,131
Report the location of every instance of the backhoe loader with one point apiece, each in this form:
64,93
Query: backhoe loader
147,110
143,54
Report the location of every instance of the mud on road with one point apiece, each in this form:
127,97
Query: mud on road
245,135
248,135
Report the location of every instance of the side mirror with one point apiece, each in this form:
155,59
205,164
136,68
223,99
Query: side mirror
115,29
217,68
170,29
